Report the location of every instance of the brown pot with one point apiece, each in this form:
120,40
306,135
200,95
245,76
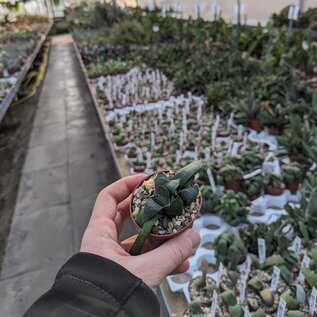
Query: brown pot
235,186
155,237
132,155
122,143
293,187
255,124
139,169
274,191
298,159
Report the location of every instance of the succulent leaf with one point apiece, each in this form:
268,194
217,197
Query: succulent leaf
189,194
300,293
229,298
259,313
172,185
175,208
161,179
256,284
267,297
236,311
187,172
291,303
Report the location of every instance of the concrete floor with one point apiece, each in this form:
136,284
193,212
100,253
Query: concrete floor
68,162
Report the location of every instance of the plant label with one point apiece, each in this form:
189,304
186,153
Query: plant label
216,11
220,159
207,154
277,167
214,303
313,167
261,250
181,140
252,174
245,140
235,148
312,302
243,285
305,263
281,308
240,130
293,13
148,160
275,278
140,155
246,266
230,144
198,11
220,271
297,244
246,312
211,180
178,157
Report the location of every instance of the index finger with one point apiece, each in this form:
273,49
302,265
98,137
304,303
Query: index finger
112,195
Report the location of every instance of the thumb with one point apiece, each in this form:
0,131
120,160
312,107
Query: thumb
173,253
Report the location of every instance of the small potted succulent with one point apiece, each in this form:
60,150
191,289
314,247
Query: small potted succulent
202,287
292,175
165,204
273,183
121,140
132,152
230,177
139,167
116,130
211,202
252,187
234,208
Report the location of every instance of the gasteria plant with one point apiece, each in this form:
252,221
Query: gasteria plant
292,175
163,196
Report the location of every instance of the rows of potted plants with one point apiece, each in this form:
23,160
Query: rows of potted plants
17,42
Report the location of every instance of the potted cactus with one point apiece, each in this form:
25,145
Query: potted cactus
230,177
211,202
274,185
234,208
139,167
292,175
132,152
165,204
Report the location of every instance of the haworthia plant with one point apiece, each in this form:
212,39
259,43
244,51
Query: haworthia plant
171,196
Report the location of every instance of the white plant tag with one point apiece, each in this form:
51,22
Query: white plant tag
247,265
277,167
178,157
220,271
243,285
312,302
148,160
305,263
261,250
246,312
252,174
207,154
140,155
290,12
214,303
235,148
240,131
211,180
281,308
245,140
152,140
297,244
275,278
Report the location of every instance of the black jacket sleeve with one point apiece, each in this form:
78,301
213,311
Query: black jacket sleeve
90,285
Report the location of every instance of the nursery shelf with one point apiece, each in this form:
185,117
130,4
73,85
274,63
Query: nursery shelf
175,302
4,106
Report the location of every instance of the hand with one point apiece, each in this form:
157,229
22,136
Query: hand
102,237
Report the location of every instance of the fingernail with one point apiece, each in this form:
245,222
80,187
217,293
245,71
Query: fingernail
194,238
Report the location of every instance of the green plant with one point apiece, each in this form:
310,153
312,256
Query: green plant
229,174
275,118
195,308
292,173
273,180
234,208
211,202
171,195
229,251
253,186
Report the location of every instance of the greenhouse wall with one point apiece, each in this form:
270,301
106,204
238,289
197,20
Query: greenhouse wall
255,10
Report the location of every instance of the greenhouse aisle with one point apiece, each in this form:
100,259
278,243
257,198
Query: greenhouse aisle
68,162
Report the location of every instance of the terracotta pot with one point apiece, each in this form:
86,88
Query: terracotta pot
274,191
293,187
139,169
122,143
190,148
255,124
132,155
297,159
235,186
161,238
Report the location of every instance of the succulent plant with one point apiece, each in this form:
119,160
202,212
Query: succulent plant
195,308
273,180
253,186
211,202
229,251
234,208
170,197
229,174
292,173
